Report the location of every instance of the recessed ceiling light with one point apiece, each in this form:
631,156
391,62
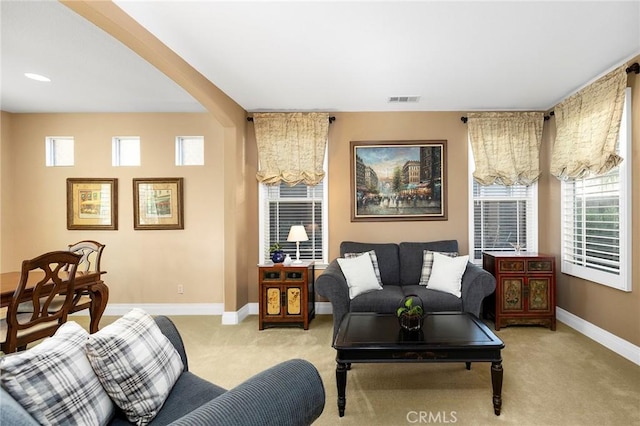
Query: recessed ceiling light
36,77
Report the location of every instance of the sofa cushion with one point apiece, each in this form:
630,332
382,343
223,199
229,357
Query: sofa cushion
427,264
359,274
385,301
374,262
447,273
387,254
411,255
54,382
434,300
136,364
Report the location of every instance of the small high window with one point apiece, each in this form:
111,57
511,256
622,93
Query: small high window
59,151
125,151
190,151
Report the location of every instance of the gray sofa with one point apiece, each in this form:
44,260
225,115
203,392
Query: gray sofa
400,269
268,398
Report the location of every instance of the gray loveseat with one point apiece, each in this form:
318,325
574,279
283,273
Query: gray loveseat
400,269
268,398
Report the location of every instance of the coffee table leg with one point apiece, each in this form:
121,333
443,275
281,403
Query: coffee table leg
341,380
496,381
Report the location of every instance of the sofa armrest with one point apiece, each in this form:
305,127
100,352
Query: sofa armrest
169,329
332,285
268,398
476,285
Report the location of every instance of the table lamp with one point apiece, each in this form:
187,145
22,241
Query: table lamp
297,234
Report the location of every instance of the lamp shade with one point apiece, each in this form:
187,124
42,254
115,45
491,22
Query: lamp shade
297,233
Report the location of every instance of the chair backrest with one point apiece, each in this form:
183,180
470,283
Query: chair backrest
42,280
91,252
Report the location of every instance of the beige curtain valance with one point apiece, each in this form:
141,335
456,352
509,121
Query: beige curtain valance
587,127
291,147
506,146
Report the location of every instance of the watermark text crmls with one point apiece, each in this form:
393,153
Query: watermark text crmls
431,417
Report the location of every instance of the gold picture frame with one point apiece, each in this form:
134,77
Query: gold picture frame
92,204
398,180
158,203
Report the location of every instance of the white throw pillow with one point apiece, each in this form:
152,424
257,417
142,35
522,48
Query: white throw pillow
136,364
427,264
374,262
359,274
446,274
54,382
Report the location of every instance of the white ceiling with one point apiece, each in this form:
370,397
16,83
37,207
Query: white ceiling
321,55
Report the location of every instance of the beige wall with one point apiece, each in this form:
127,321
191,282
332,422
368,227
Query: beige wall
375,126
142,266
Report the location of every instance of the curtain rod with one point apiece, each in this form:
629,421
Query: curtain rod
635,67
331,119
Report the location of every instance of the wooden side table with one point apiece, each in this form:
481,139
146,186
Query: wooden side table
287,294
525,288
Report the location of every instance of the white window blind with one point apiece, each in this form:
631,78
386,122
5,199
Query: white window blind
283,206
503,216
59,151
596,219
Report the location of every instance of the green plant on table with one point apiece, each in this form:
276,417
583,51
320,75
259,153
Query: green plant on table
275,247
409,309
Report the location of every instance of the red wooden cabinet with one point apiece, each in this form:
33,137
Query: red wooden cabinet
525,288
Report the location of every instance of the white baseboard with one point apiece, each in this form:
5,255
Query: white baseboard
119,309
228,317
620,346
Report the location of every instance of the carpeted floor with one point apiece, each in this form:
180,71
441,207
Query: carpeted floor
550,378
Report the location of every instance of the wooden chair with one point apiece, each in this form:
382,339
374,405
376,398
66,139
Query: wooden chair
41,281
91,252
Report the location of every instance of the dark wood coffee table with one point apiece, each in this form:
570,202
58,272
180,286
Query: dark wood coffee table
445,337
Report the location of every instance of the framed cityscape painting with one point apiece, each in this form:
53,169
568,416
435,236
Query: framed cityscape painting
398,180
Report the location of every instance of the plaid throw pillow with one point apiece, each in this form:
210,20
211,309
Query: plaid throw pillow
427,264
374,261
55,383
136,364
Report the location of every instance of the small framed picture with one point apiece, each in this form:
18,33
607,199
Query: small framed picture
158,203
92,203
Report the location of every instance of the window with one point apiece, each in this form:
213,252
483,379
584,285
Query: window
596,219
190,151
125,151
501,217
59,151
282,206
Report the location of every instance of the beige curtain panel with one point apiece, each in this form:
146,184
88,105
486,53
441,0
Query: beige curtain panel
291,147
506,146
587,127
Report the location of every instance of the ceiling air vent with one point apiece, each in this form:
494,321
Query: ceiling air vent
404,99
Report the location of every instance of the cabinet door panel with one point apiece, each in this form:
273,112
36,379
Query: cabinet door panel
539,294
294,297
512,294
273,301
